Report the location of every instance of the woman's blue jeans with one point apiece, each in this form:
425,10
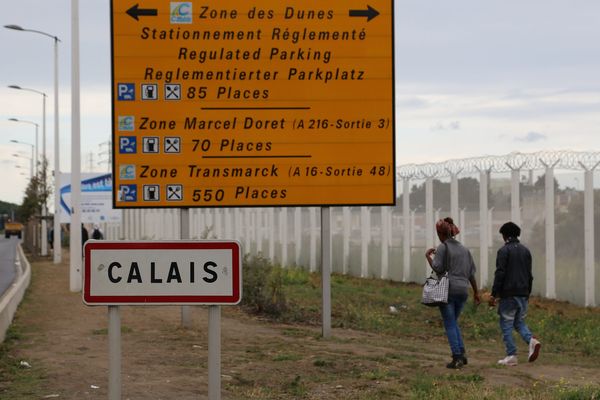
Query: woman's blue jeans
450,313
512,311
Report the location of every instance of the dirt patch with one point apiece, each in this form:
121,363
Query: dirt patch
68,342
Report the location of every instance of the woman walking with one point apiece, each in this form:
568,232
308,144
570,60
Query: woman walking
455,258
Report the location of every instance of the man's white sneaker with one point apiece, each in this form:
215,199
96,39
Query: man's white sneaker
534,349
509,360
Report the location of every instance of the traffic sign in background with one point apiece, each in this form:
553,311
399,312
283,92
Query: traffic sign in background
263,103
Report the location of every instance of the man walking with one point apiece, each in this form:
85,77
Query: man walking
512,285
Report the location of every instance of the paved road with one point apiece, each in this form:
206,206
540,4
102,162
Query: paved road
8,251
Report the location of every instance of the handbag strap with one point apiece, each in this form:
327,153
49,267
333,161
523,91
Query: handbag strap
446,258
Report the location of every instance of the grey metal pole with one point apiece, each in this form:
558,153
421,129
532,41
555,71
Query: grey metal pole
515,208
297,234
75,250
515,201
283,228
550,249
588,204
483,227
429,222
588,228
114,353
184,225
214,352
385,237
313,239
37,150
347,225
454,196
326,269
271,232
407,226
462,225
365,237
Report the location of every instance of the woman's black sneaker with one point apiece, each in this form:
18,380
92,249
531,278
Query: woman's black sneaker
456,363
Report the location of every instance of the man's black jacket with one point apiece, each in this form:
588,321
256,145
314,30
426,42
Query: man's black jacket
513,270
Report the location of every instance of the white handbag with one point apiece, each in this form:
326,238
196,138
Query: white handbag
435,289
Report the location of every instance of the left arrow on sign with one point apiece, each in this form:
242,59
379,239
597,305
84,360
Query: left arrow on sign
134,12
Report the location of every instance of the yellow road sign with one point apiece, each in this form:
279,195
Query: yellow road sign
263,103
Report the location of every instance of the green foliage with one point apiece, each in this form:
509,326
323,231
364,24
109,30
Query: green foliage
296,387
263,286
468,192
584,393
287,357
37,193
16,378
323,363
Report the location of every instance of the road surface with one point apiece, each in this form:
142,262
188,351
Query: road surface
8,251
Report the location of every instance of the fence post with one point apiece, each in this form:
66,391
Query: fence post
365,227
406,221
429,222
588,228
347,224
483,227
550,250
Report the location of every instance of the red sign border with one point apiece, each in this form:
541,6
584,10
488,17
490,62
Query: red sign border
232,245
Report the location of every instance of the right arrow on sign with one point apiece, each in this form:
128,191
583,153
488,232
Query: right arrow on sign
370,13
135,12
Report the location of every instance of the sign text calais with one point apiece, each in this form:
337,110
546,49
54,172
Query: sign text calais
264,103
150,273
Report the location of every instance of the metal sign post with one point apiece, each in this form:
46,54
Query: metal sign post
326,269
214,352
163,273
114,353
184,225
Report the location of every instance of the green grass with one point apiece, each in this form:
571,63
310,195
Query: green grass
104,331
16,378
287,357
363,304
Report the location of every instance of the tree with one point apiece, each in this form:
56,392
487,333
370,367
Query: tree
468,194
36,195
569,229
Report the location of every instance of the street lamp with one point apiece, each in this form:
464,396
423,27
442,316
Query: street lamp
36,139
30,159
17,87
32,147
57,254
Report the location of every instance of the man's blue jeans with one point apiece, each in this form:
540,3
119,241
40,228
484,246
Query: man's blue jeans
512,311
450,313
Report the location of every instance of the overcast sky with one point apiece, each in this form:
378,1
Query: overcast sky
472,78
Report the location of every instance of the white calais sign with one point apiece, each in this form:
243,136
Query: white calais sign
162,273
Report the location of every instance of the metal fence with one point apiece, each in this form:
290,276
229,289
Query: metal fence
389,242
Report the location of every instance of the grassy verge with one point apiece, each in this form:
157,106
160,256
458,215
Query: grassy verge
18,378
364,304
569,335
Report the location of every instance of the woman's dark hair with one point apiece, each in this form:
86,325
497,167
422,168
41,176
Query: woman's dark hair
510,229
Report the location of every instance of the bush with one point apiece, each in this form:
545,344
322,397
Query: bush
263,287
